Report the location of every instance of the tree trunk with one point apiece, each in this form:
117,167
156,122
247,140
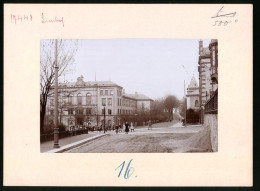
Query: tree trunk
42,116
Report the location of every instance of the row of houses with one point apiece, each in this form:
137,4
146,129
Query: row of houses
92,102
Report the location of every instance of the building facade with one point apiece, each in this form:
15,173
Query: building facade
208,69
93,103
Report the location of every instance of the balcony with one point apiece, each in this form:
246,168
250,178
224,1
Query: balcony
211,106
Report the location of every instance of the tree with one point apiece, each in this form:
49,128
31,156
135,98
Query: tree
66,51
171,102
158,111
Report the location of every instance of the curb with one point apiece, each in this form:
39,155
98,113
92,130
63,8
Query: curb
75,144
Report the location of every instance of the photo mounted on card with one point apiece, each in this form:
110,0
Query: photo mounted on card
96,114
129,92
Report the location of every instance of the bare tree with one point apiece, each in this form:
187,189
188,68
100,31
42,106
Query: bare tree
66,54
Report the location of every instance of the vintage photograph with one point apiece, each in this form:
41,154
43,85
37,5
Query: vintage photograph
128,95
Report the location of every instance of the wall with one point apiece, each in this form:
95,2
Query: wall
191,102
147,104
211,120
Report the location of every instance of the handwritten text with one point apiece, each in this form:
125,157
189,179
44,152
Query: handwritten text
21,18
128,171
224,19
52,20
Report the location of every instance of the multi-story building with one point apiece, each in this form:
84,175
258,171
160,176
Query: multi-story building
208,78
82,101
208,69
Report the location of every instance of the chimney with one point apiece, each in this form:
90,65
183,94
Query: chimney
200,47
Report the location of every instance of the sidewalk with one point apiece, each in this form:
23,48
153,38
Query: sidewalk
47,146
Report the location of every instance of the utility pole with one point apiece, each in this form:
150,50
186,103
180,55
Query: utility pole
56,129
104,118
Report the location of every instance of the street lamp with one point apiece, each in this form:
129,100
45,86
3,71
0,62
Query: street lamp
56,129
136,119
104,117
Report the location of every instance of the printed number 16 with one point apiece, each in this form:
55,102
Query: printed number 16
128,171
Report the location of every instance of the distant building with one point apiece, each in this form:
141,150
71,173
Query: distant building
82,101
193,98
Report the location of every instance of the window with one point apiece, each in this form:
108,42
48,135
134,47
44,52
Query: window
103,111
88,111
88,99
106,92
79,99
118,111
111,92
196,103
109,100
70,99
103,101
70,111
101,92
80,111
109,111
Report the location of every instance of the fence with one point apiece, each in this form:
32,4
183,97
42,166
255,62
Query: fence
62,134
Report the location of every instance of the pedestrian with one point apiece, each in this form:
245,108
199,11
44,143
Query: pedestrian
123,127
126,128
149,125
132,127
117,127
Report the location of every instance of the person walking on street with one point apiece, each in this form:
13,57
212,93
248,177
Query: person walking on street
117,129
123,127
132,127
126,128
149,125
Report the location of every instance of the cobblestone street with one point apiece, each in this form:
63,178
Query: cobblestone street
162,138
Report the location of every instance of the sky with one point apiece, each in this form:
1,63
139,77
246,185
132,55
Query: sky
153,67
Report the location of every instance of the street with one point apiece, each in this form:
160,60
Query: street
164,137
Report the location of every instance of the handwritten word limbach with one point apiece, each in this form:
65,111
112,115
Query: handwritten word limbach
52,20
21,18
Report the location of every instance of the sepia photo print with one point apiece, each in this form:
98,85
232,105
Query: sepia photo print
128,95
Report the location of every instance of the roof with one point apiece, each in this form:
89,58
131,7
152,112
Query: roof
138,96
89,83
193,83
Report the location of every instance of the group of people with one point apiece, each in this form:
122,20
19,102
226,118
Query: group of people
125,128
